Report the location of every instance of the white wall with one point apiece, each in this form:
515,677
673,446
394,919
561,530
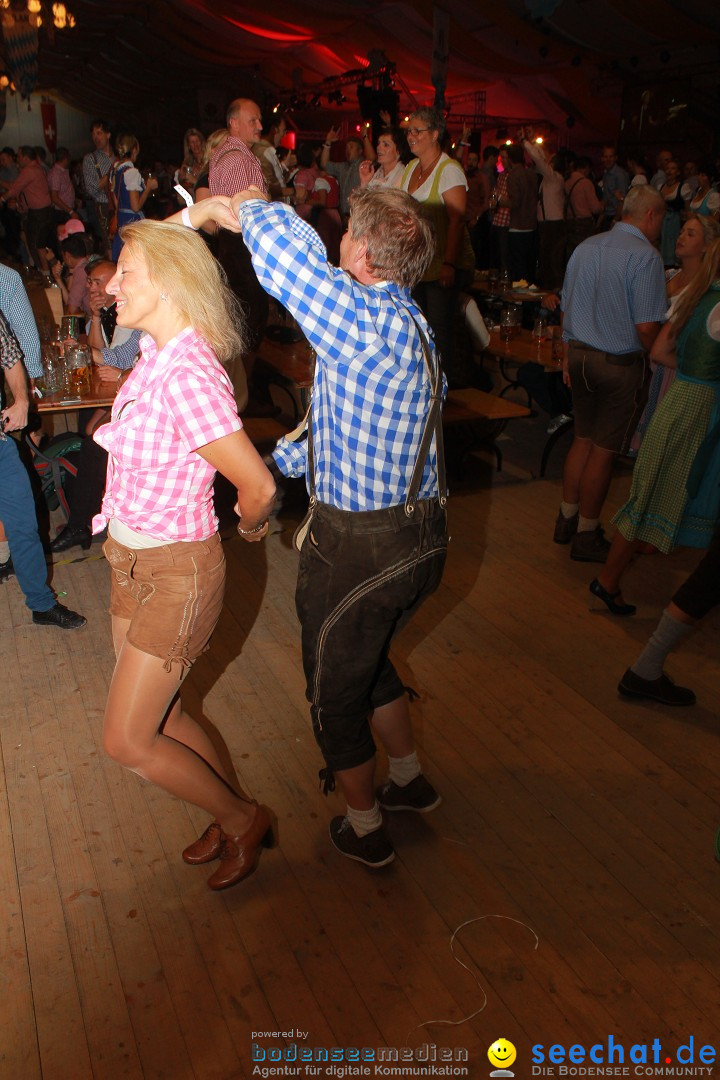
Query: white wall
23,127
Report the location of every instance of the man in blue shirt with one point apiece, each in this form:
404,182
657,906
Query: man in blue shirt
377,540
615,183
613,302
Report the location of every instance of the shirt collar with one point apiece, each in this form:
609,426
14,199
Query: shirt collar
625,226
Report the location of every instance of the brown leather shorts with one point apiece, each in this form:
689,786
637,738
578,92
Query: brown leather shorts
172,595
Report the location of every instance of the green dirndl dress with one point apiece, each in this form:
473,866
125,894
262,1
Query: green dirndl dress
675,494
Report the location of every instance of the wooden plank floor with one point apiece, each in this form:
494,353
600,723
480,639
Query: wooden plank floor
575,839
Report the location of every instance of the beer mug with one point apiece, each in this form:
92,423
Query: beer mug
78,361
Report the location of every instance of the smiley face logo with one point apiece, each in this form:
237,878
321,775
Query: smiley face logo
502,1054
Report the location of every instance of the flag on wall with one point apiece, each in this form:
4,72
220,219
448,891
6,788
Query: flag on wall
49,122
21,50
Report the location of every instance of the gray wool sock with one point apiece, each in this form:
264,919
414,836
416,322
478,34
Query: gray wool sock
669,632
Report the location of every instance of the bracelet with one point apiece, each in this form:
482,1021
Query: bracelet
185,218
251,532
464,143
327,145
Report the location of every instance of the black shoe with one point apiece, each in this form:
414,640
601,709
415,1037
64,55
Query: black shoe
373,850
6,570
565,528
590,546
663,689
59,616
70,536
608,598
418,795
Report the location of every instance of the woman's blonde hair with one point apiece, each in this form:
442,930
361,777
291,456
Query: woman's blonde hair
707,273
188,156
125,144
180,265
214,139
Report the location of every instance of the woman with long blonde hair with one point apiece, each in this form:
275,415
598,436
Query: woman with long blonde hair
675,494
174,424
193,153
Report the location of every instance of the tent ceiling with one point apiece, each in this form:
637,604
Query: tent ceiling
561,57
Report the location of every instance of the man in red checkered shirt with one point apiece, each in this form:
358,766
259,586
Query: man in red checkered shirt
233,168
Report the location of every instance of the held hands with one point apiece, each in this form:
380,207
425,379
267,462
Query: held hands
243,196
252,535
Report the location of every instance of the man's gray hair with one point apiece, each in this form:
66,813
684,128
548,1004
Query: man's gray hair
640,199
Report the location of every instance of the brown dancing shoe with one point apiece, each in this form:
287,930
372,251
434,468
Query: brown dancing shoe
206,847
239,854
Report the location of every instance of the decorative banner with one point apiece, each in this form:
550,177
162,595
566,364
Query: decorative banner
49,122
21,50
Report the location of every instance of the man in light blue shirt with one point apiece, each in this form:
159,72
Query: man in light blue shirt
614,302
615,183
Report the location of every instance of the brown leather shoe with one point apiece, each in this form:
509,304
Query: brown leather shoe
206,847
239,854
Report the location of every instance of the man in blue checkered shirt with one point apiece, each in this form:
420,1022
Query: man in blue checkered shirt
366,564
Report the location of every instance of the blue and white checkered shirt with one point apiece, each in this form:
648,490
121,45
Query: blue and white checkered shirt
613,282
16,308
372,390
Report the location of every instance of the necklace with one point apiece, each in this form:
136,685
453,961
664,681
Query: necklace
423,174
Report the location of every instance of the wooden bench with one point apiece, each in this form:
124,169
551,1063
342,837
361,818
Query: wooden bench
472,419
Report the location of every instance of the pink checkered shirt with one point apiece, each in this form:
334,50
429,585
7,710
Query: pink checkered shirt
174,401
233,168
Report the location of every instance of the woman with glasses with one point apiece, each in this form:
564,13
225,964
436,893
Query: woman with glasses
438,182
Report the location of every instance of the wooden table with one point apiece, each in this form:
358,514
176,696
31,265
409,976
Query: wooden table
102,395
521,349
481,287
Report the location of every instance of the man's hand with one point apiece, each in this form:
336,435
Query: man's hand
108,374
385,117
15,417
332,135
56,270
244,196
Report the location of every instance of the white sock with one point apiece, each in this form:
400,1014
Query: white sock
668,634
587,524
568,510
364,821
476,324
4,551
404,769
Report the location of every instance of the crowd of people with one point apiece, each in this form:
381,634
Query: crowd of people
371,255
